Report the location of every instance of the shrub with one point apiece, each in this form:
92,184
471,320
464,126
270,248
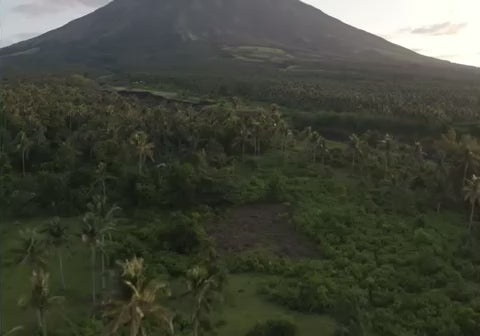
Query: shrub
275,189
279,327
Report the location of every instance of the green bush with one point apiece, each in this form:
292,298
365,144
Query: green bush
280,327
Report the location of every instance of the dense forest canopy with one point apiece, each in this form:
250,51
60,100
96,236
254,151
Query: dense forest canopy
372,234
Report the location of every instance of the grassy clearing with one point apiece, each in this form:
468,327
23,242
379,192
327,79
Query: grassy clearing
167,95
243,308
259,54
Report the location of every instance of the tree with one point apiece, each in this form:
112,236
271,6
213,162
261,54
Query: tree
31,250
318,146
57,238
242,139
472,195
144,149
469,162
24,144
98,222
203,288
141,302
102,177
11,331
355,148
40,300
419,153
387,143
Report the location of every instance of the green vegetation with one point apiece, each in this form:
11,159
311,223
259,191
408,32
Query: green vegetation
125,217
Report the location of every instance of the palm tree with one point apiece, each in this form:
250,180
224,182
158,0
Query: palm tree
419,153
441,179
102,177
203,287
141,302
472,195
58,237
40,299
242,139
387,142
98,222
144,148
31,251
24,144
11,331
318,145
355,148
469,162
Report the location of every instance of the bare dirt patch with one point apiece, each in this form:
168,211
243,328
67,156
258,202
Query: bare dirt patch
261,226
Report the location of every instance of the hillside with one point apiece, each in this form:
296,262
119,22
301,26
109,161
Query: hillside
151,35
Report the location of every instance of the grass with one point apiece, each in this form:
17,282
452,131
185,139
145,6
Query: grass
258,54
167,95
243,307
16,280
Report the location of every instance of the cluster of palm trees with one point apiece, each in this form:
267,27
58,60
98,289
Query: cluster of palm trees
89,126
453,163
127,307
32,252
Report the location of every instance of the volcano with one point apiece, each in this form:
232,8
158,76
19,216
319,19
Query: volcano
151,35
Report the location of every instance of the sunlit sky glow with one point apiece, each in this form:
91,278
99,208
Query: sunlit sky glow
447,29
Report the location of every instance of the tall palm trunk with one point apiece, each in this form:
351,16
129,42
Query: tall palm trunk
42,323
93,251
1,297
465,172
104,277
104,189
472,214
196,326
140,164
60,265
387,163
23,163
243,151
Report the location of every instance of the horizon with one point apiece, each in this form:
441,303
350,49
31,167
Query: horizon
448,32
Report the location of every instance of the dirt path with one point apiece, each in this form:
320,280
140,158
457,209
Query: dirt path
261,226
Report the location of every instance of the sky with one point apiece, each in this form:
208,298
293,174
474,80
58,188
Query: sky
446,29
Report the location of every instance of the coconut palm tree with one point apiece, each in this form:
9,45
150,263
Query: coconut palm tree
40,300
203,288
98,222
441,179
470,162
419,153
31,250
24,144
355,148
57,236
144,149
102,177
11,331
140,304
387,143
472,195
243,138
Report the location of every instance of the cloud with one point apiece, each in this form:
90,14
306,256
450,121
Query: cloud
17,38
33,9
438,29
52,6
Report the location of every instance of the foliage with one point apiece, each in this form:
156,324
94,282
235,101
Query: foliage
274,328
